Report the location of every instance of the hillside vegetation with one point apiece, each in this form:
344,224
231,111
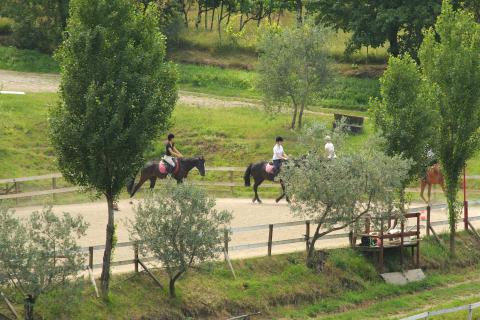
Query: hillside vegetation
282,287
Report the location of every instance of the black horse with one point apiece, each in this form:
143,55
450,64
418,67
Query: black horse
259,173
151,171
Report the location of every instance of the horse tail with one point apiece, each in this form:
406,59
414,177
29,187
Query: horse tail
247,175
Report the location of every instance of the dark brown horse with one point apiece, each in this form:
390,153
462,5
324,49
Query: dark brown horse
433,176
151,171
259,173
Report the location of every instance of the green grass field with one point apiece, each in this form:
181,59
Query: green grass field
281,287
352,93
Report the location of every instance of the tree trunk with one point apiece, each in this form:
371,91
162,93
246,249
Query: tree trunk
300,116
393,41
213,18
185,13
294,119
107,255
206,17
452,213
171,288
199,17
220,18
299,9
28,307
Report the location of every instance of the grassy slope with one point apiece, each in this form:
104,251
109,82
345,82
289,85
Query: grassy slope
282,287
225,136
233,136
344,92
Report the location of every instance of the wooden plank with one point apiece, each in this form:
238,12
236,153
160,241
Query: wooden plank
248,246
150,274
32,178
38,193
288,241
10,306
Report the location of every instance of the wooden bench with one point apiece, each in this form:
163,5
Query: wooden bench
383,244
353,123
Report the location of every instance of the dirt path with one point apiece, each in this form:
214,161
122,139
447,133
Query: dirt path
48,82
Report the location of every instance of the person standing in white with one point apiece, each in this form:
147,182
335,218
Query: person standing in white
278,154
329,148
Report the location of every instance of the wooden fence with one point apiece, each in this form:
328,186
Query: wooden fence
12,185
269,244
426,315
13,191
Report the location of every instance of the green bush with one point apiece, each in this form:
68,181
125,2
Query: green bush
5,26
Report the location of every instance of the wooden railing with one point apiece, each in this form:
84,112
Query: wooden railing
12,188
269,244
13,191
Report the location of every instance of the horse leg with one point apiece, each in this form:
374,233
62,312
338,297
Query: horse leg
422,190
255,188
153,180
283,193
429,193
143,178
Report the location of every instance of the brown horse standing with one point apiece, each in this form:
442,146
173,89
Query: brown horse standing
433,176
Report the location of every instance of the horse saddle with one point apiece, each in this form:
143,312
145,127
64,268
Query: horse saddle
270,168
166,168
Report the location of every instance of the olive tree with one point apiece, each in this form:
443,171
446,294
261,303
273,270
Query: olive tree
117,93
293,64
450,59
180,227
337,193
403,116
39,254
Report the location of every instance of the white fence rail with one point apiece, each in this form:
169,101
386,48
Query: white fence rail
426,315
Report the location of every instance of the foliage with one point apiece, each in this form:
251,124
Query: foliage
5,25
293,63
40,254
337,193
25,60
180,227
403,116
37,24
375,22
450,58
282,286
117,94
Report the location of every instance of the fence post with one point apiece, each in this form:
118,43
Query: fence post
135,250
367,224
231,180
225,241
307,234
270,236
54,186
90,257
16,191
428,220
465,214
380,253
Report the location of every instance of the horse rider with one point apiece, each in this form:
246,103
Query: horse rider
431,160
279,154
171,151
329,148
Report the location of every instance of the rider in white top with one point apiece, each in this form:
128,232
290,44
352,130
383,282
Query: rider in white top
329,148
278,154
